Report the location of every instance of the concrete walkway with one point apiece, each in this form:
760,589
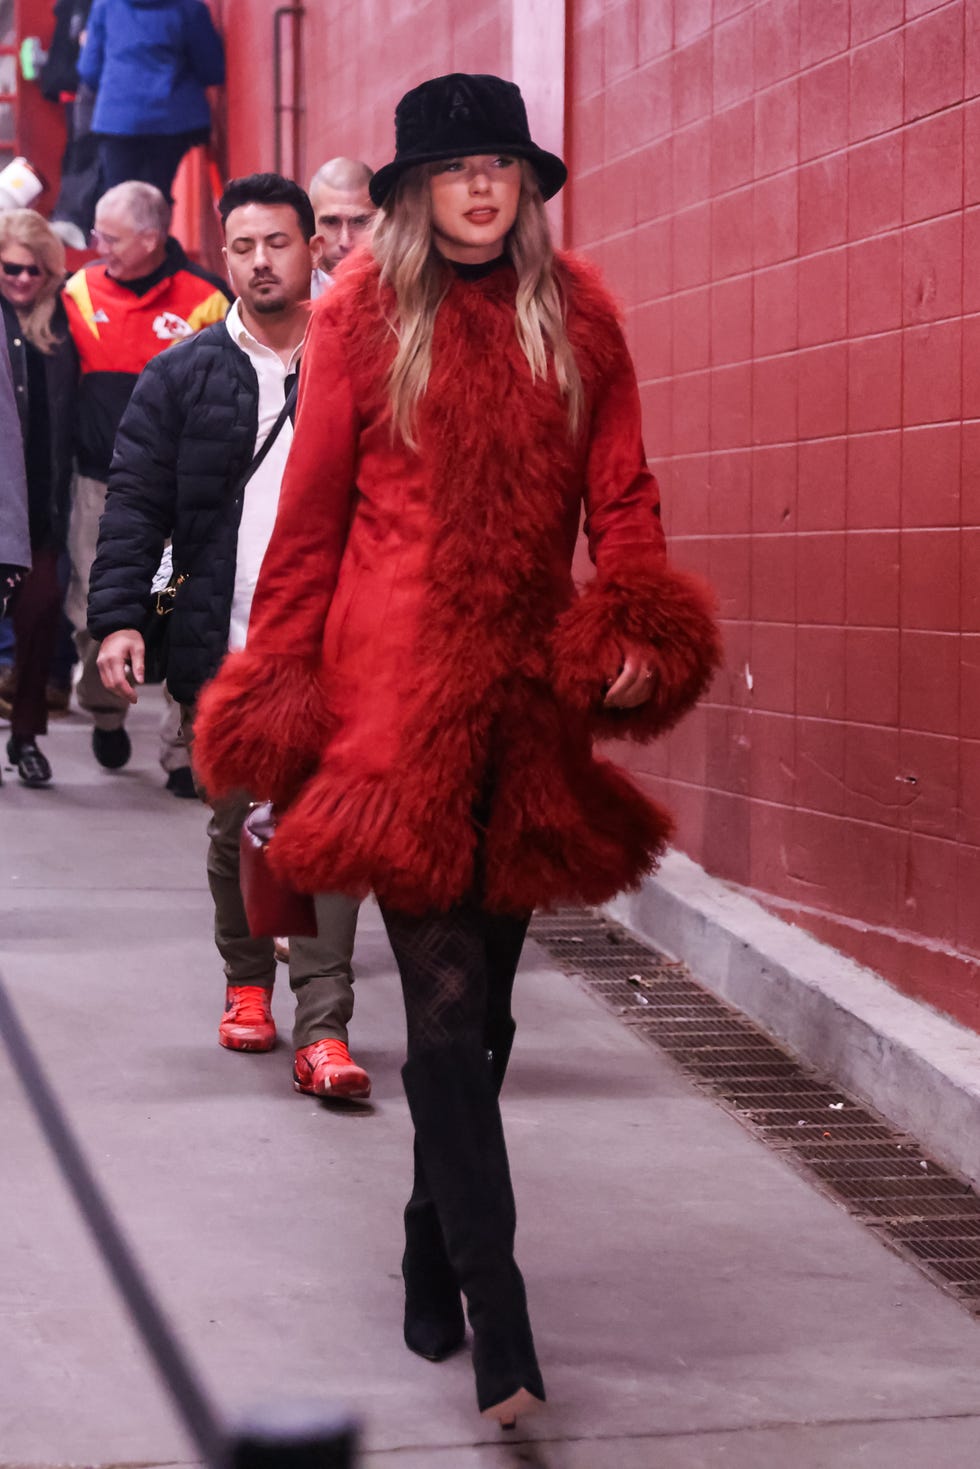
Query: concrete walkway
695,1302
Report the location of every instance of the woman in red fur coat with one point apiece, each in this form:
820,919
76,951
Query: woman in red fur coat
422,686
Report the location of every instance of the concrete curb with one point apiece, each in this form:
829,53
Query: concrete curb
916,1067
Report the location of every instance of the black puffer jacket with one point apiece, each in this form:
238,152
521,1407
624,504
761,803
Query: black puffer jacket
182,451
61,386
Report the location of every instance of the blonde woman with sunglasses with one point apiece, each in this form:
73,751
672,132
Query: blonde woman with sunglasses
45,372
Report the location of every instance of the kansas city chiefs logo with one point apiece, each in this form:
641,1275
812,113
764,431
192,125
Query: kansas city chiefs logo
170,328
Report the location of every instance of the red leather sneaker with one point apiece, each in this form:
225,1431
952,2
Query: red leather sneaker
247,1024
325,1069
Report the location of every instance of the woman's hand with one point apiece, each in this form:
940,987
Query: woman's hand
633,685
121,662
10,579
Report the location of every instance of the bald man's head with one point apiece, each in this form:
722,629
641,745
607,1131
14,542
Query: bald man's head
343,208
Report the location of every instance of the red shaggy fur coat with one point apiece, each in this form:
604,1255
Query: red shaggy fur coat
416,647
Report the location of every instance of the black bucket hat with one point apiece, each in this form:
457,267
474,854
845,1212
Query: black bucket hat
456,115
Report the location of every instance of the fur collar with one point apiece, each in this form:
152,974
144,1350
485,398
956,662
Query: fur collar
361,310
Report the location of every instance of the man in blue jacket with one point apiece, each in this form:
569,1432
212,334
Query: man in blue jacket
149,61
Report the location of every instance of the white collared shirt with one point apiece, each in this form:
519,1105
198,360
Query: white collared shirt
262,490
320,283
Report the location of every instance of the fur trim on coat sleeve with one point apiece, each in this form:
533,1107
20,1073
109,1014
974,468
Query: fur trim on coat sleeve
260,726
667,613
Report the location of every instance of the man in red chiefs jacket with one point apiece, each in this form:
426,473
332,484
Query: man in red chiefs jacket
140,298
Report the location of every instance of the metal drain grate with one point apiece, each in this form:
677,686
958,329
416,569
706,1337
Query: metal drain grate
935,1238
881,1176
850,1131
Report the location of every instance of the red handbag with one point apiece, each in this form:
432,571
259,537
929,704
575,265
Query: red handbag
272,907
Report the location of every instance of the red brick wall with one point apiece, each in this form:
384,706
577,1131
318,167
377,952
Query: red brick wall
248,29
786,196
33,126
784,193
359,56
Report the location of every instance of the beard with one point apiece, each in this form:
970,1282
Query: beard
268,305
266,297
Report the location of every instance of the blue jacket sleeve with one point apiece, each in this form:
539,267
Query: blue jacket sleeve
205,48
92,57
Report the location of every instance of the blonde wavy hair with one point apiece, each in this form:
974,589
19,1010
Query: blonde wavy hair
27,228
415,271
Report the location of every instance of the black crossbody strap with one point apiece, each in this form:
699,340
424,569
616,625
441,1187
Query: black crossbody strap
165,599
288,410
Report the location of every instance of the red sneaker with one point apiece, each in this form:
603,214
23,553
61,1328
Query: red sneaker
325,1069
247,1024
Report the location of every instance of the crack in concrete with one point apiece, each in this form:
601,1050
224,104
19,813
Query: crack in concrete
535,1445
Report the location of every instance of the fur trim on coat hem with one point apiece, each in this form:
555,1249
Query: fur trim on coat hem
260,726
667,613
580,855
357,834
562,827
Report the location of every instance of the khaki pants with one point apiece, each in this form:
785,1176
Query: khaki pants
108,710
320,973
173,751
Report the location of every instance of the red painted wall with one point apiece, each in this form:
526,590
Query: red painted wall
786,196
39,125
358,57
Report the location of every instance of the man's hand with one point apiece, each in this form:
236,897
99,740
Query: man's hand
121,653
634,684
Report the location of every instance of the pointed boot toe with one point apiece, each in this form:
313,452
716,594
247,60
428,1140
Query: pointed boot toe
434,1332
435,1326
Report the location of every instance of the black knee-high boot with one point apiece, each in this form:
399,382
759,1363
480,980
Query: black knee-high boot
499,1043
434,1323
453,1102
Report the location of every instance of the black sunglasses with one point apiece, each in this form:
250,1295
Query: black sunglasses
9,268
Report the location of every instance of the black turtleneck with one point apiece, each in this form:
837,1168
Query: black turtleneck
468,272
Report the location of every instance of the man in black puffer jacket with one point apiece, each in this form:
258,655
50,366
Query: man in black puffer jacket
198,460
183,447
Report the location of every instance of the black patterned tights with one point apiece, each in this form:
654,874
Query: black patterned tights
457,971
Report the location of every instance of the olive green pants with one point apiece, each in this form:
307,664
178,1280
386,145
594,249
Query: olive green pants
320,972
